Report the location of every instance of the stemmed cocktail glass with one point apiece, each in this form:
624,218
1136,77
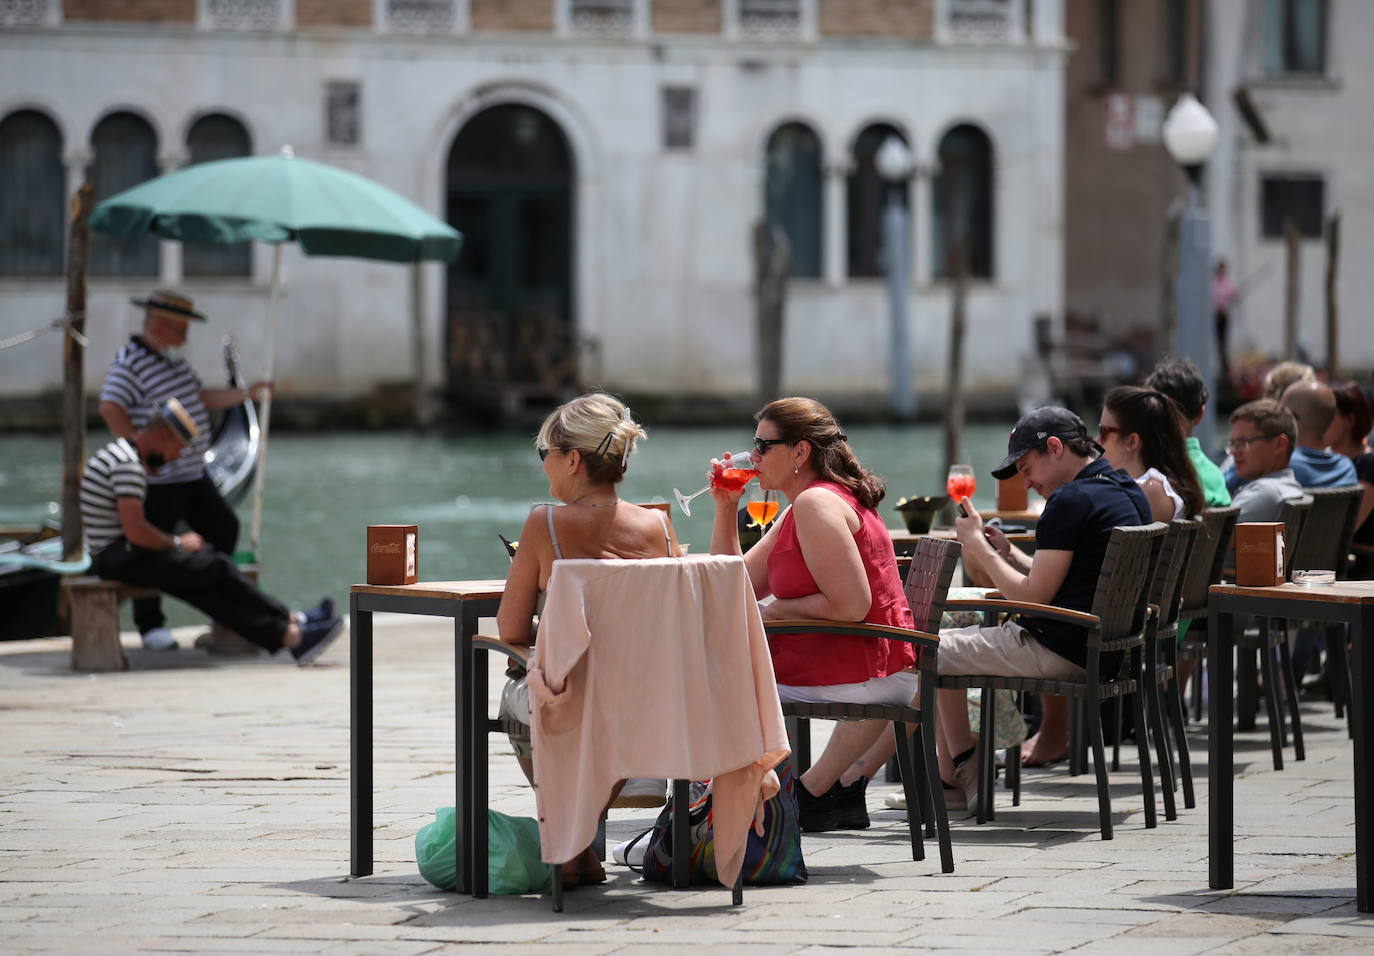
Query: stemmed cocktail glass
737,470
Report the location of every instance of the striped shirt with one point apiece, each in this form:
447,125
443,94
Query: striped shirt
114,472
138,379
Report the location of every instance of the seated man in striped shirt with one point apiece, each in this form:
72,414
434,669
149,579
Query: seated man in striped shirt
125,546
148,370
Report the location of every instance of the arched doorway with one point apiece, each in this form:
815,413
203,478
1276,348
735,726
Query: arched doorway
510,294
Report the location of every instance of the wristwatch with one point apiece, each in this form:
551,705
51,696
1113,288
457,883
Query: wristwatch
176,542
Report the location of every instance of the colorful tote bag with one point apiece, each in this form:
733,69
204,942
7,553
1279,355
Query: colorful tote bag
774,858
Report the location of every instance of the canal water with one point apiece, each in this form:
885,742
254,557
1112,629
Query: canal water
323,490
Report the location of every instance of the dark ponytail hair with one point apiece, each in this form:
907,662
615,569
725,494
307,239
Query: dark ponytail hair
1158,420
805,419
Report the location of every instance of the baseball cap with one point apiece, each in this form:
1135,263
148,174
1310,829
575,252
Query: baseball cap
1032,431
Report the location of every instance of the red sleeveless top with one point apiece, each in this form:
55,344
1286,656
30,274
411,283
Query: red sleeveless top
822,659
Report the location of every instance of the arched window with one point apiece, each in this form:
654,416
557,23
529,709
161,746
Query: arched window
962,203
32,184
125,150
792,194
216,136
867,196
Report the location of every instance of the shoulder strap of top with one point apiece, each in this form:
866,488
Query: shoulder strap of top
553,535
667,538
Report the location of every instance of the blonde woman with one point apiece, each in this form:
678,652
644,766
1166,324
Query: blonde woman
584,447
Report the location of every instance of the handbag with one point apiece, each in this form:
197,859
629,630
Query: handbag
514,865
771,859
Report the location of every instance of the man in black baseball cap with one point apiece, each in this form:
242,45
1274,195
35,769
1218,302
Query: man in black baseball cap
1035,429
1085,499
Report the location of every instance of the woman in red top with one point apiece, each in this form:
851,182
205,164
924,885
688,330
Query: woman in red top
828,558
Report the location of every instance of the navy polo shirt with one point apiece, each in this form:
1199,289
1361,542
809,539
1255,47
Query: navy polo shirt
1079,517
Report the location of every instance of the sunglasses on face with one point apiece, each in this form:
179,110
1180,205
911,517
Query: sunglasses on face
543,452
1105,431
761,445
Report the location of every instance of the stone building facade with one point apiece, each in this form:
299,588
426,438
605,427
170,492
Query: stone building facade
607,161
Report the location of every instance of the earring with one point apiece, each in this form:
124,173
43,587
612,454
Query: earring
796,471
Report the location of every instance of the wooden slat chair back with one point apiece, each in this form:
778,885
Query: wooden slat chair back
1115,626
926,589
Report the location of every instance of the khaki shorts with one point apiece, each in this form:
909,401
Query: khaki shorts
1005,650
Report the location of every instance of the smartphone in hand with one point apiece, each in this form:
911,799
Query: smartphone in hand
963,512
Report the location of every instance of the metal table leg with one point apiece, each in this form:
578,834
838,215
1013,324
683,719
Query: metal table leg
360,737
1221,747
1362,720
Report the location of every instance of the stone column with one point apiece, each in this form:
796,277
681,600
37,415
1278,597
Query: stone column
1047,27
922,179
169,251
835,266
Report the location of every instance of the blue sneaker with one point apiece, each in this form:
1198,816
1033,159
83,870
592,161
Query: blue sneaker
323,611
315,637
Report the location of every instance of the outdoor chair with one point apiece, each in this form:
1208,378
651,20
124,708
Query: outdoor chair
1271,644
1116,626
1204,569
1325,545
688,594
926,587
1162,700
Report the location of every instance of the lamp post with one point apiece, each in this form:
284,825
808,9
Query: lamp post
1190,136
895,164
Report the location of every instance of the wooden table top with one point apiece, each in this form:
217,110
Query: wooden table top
903,536
1341,592
439,590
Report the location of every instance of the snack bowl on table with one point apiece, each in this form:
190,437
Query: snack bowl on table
919,512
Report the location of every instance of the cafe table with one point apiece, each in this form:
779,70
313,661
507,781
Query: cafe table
466,602
1342,602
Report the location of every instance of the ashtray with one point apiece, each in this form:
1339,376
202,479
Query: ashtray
1314,578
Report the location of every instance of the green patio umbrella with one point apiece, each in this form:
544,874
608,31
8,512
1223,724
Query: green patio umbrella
277,199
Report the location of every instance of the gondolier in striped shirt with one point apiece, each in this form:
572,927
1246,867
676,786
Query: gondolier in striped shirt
150,370
125,546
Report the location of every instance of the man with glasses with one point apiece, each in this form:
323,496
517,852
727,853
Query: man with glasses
1263,435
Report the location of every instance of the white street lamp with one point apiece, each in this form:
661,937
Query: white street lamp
895,165
1190,136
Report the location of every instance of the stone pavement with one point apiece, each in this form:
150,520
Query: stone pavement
199,805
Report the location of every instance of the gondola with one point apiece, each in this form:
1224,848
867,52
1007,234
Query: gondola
31,563
233,455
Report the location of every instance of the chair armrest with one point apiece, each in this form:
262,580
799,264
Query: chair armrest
856,629
1024,607
520,653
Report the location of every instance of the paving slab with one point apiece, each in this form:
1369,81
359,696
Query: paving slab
201,806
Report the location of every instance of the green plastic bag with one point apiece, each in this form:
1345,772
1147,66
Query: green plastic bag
513,863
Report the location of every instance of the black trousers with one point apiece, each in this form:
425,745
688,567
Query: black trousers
204,579
199,505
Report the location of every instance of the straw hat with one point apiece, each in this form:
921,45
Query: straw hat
164,301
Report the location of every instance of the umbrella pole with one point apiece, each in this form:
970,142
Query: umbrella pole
260,477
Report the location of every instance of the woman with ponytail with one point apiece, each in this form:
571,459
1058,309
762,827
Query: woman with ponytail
584,447
829,557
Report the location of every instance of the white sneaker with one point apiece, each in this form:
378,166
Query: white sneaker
641,794
159,639
895,800
635,855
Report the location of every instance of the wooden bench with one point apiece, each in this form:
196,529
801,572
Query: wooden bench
94,606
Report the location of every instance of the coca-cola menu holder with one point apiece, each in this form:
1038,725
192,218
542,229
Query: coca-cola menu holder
393,553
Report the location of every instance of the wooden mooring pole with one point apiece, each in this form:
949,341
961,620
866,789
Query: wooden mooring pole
73,373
